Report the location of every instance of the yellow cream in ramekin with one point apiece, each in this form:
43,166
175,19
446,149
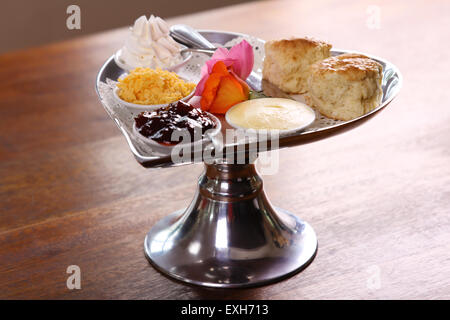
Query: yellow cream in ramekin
270,114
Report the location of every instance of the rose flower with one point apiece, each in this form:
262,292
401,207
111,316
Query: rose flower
223,78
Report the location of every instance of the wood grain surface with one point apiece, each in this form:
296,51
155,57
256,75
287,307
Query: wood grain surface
378,197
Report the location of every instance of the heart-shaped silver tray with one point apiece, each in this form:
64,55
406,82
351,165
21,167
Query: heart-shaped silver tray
322,127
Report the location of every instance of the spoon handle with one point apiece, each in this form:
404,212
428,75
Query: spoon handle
199,50
189,37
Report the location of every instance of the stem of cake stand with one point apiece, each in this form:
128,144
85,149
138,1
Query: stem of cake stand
230,236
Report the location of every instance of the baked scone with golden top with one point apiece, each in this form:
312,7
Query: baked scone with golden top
345,87
287,62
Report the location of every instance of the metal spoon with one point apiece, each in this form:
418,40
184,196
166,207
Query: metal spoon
193,39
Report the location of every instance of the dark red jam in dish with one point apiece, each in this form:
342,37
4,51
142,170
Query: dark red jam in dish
159,125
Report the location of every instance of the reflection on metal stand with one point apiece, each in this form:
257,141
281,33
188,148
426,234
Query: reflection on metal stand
230,236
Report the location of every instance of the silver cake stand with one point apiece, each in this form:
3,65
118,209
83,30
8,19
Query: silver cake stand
230,236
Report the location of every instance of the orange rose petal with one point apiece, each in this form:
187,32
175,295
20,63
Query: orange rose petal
244,85
218,71
228,94
210,90
222,90
221,68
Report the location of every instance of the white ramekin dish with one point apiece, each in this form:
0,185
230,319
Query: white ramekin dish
146,107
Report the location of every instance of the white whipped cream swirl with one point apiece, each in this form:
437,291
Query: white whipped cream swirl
149,45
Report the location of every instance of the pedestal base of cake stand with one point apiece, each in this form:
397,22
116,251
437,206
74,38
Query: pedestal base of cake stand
230,236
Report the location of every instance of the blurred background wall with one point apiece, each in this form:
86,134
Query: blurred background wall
26,23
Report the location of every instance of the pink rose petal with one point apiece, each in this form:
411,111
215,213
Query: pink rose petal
201,85
244,56
208,66
220,53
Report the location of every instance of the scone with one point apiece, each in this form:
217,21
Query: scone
287,62
345,87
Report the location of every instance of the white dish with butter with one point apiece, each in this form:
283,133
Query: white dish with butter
284,115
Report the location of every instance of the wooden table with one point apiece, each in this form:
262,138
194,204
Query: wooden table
378,196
